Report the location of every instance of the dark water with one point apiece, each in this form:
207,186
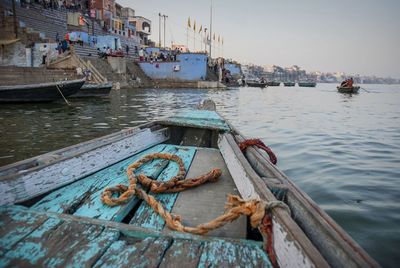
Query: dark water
343,150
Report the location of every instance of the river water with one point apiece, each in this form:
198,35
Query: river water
343,150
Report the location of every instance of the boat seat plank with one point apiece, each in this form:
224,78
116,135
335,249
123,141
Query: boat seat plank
145,215
226,254
206,202
71,241
15,225
58,244
148,252
70,198
198,119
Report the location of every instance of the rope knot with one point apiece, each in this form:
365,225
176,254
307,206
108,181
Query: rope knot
257,142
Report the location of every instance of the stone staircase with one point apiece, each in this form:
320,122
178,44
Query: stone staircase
47,22
211,76
11,75
134,71
86,51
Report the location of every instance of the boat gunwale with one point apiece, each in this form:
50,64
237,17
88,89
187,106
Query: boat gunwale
81,148
60,84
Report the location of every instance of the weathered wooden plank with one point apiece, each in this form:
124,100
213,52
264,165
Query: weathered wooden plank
198,119
69,198
48,177
186,253
292,246
145,216
94,207
15,224
58,244
140,253
206,202
130,230
226,254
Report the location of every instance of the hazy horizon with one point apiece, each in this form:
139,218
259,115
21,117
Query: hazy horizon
357,37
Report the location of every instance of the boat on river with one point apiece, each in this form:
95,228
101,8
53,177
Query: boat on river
94,90
349,90
289,84
307,84
41,92
71,207
254,83
273,84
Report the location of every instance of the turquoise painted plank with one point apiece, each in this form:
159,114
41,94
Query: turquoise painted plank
148,252
15,224
185,252
58,244
199,118
68,199
226,254
94,208
145,216
65,199
29,251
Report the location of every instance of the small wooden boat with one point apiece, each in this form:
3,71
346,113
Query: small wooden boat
256,84
93,90
273,84
307,84
289,84
43,92
53,213
350,90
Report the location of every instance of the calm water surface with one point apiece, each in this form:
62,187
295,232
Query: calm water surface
343,150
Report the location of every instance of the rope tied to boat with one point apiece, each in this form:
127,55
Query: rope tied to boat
235,206
257,142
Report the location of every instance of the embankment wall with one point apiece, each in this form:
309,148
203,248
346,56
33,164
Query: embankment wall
188,67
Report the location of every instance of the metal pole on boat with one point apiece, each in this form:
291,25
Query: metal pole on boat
159,29
62,95
210,28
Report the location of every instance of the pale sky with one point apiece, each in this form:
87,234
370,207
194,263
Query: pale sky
356,37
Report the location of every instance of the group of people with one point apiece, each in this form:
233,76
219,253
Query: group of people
107,51
158,55
347,83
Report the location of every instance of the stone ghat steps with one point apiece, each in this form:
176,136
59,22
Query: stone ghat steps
86,51
47,22
10,75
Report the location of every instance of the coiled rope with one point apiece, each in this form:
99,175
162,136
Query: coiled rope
235,206
257,142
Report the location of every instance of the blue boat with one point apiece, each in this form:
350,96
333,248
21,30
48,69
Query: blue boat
55,208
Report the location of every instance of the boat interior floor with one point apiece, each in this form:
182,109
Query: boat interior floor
195,205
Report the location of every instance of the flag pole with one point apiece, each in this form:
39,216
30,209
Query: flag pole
211,28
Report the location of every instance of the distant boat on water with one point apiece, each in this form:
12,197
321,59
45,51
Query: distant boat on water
307,84
349,90
273,84
289,84
42,92
254,83
93,90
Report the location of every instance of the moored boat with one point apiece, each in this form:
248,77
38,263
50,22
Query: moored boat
253,83
41,92
289,84
93,90
307,84
54,204
350,90
273,84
